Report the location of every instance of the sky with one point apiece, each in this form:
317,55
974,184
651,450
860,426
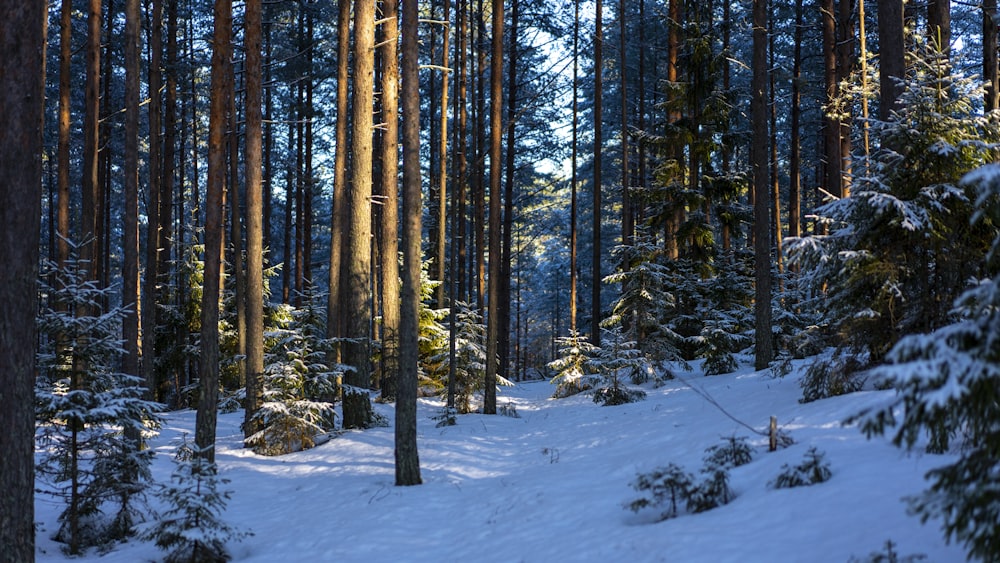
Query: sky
552,484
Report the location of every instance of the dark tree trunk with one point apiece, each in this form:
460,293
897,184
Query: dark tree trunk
22,42
215,205
154,201
130,221
831,125
335,318
442,166
763,349
939,25
990,73
795,159
508,213
845,66
595,282
65,54
573,180
407,460
90,227
891,46
493,323
390,202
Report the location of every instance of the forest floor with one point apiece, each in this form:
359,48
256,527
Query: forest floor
551,485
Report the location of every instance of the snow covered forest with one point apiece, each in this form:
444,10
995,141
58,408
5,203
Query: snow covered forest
382,280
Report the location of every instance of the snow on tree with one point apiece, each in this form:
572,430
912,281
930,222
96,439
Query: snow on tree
947,382
93,418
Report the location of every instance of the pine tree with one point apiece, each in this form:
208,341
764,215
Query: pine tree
92,415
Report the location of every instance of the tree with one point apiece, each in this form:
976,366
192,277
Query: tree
357,268
891,54
215,204
334,315
390,201
494,322
255,234
91,224
22,41
763,346
407,459
595,290
991,72
130,237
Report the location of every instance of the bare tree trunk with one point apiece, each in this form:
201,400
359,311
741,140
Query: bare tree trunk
939,25
795,159
508,213
442,162
65,55
891,47
90,227
628,224
775,195
845,66
130,226
390,203
595,287
573,180
358,269
254,299
493,322
831,125
215,205
479,184
407,460
154,228
763,348
22,100
990,73
335,317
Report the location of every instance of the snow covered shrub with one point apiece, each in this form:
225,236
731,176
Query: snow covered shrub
734,453
947,386
508,410
902,247
572,366
92,418
470,358
812,470
889,555
711,493
836,375
190,528
667,488
617,358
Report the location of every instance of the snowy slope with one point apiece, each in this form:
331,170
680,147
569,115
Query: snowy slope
550,485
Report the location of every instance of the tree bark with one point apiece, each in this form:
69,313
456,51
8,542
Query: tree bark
795,159
891,47
358,268
215,204
252,154
831,125
390,201
493,322
508,213
90,227
939,25
573,165
407,459
130,227
335,318
154,201
62,182
442,165
595,282
763,348
990,73
22,42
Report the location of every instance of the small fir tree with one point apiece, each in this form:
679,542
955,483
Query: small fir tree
572,372
191,528
813,469
92,418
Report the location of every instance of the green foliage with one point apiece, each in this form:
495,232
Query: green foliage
191,528
947,385
902,247
711,493
734,453
616,359
572,365
811,471
832,376
667,487
92,418
470,358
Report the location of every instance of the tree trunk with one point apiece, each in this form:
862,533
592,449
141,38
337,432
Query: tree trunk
335,318
775,195
795,159
939,25
358,267
254,299
65,55
831,125
442,163
390,201
493,322
595,287
215,205
508,213
479,184
130,226
628,225
22,42
407,460
763,348
573,180
90,227
990,72
891,47
845,66
154,201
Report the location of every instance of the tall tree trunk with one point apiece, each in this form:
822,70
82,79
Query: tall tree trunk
65,55
335,317
672,221
939,25
236,228
154,228
390,203
215,205
130,226
310,179
22,100
865,129
595,287
628,225
493,322
795,159
763,348
90,227
831,124
990,73
442,163
254,299
573,166
479,182
845,66
167,214
358,268
460,163
775,195
407,460
508,213
891,54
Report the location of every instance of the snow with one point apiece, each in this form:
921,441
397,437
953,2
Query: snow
552,484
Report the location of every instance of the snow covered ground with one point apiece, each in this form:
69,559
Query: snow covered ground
551,485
